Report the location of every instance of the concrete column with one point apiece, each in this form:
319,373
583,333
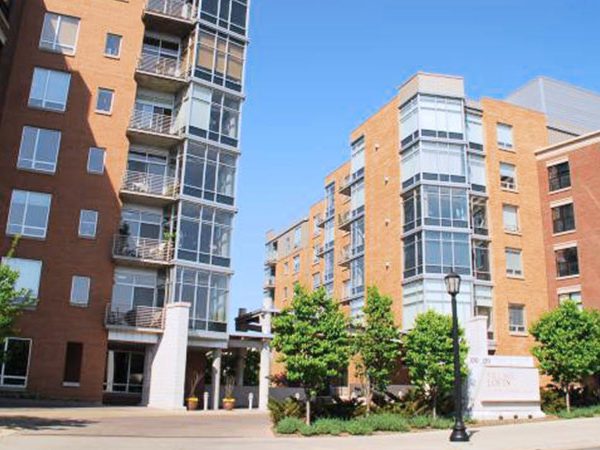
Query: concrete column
240,366
110,370
265,356
167,379
216,377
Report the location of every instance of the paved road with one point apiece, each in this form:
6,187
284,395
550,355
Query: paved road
136,428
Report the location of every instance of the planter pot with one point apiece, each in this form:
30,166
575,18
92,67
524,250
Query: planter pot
192,403
228,404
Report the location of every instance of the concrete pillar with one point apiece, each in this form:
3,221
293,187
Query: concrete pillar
167,371
240,366
265,356
216,377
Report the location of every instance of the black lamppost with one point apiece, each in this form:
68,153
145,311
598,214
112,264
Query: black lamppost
459,432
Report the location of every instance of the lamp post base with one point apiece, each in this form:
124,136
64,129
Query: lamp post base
459,434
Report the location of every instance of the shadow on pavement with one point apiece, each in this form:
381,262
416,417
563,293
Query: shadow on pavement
40,423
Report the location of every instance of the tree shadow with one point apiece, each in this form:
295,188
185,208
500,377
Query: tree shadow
40,423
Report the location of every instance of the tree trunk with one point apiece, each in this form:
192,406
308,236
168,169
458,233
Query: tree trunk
568,399
369,396
308,399
434,408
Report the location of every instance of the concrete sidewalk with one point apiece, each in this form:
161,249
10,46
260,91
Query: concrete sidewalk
140,428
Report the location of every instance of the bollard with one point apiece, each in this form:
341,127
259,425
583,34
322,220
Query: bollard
206,401
250,400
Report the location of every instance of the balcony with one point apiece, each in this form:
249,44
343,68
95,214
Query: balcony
271,258
148,188
139,251
349,253
270,282
158,73
345,219
144,318
170,16
153,129
349,180
320,250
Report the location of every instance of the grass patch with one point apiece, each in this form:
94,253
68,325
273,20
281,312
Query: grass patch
387,422
334,427
359,427
289,425
575,413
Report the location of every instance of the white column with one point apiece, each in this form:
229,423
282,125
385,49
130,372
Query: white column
110,370
240,366
167,379
265,356
216,378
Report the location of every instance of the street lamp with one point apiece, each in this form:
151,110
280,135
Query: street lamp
459,432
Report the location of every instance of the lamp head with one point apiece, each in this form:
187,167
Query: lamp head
452,281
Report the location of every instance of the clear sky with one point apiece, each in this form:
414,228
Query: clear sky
317,68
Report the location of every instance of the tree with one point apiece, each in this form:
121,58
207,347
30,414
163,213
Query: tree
313,341
429,356
568,345
376,344
12,300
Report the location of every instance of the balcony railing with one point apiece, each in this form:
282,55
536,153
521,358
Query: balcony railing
152,122
143,249
270,281
178,9
138,317
344,219
349,253
149,183
271,257
349,180
160,65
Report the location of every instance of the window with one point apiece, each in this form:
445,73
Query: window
285,292
442,162
510,216
445,252
357,276
441,117
316,280
559,176
133,288
357,160
329,200
28,214
477,175
328,264
59,33
30,271
39,149
73,361
112,47
516,318
563,218
228,14
445,207
567,263
104,100
573,296
297,237
215,115
508,177
315,253
209,173
95,163
296,263
413,255
80,290
504,134
14,362
286,268
514,266
49,89
208,293
481,260
125,372
475,131
88,220
220,58
204,235
412,209
357,236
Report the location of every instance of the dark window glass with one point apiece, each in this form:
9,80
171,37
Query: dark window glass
563,218
559,176
567,263
73,359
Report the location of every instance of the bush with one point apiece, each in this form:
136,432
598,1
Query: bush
589,411
333,427
387,422
290,407
419,422
289,425
307,430
359,427
552,399
338,409
441,423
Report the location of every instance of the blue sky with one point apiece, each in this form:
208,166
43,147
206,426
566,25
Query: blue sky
317,68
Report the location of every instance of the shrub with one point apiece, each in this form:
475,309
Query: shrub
339,409
307,430
420,422
333,427
290,407
289,425
552,399
387,422
359,427
441,423
575,413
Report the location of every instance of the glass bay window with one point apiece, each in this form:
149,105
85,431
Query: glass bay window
220,59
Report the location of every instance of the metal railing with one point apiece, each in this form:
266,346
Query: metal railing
179,9
270,281
271,257
153,122
349,180
149,183
142,248
349,253
160,65
138,317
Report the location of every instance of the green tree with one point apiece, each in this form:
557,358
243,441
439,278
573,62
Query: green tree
429,356
377,344
311,336
12,300
568,345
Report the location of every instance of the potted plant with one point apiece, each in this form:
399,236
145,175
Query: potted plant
191,400
229,400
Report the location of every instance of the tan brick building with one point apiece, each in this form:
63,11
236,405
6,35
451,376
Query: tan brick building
119,143
438,182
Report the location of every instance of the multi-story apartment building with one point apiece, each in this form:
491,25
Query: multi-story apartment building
120,141
438,182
